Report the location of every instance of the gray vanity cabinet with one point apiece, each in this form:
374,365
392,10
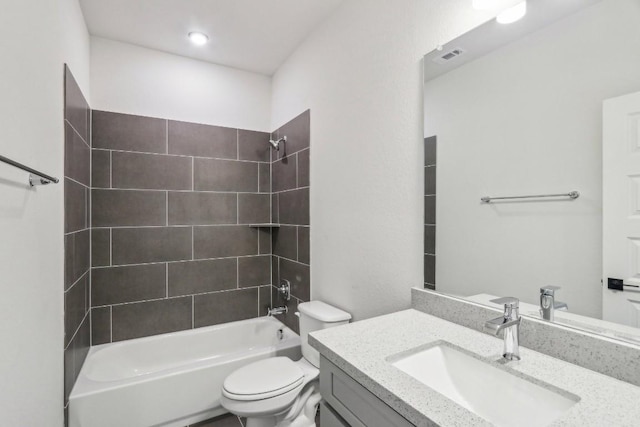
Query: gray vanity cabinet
348,404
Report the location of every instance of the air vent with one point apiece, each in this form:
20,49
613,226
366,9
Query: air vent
448,56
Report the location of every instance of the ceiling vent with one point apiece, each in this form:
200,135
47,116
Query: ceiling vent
448,56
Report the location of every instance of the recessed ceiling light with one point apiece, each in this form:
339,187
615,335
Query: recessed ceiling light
512,14
198,38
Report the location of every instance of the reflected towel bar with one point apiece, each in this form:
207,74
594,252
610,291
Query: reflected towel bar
35,177
571,195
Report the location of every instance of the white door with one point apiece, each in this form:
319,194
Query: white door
621,207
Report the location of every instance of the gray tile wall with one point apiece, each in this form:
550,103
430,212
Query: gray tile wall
77,184
172,244
430,158
290,186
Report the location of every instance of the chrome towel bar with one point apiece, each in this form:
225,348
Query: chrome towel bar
571,195
35,177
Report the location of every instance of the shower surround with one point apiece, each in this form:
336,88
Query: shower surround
290,182
175,209
77,183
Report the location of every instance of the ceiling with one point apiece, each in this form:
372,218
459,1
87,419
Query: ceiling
252,35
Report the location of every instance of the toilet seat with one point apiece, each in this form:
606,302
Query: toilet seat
263,379
257,389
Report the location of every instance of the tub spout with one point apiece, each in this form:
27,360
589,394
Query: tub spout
277,310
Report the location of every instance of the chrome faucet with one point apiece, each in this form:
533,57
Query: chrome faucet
548,303
277,310
509,322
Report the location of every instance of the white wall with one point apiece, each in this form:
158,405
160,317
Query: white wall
76,44
526,119
360,74
31,221
130,79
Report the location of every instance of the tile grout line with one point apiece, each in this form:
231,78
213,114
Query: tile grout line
85,186
180,261
157,190
271,219
77,133
90,137
77,281
184,226
111,323
259,292
73,336
290,154
293,260
74,232
175,297
221,225
225,159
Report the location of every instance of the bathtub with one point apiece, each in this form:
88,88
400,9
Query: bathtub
173,379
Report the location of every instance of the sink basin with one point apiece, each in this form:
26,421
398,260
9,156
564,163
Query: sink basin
494,393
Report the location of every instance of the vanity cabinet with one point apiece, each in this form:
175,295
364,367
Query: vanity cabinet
348,404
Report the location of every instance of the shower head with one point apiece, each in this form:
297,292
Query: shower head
276,144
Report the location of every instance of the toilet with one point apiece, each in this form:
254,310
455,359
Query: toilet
278,391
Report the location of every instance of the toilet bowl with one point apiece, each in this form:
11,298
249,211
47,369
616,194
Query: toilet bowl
278,391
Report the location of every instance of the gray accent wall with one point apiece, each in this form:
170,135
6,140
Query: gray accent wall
290,184
77,184
173,246
168,225
430,159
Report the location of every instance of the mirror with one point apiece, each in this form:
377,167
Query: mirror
546,106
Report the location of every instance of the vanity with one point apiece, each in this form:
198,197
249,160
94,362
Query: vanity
531,202
375,373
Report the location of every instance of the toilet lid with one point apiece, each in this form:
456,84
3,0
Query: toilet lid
263,379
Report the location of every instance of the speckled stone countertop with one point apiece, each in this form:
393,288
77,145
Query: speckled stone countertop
361,349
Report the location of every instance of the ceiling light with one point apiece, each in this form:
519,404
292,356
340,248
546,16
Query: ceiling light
198,38
513,13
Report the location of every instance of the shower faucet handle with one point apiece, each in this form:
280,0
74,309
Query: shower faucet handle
285,289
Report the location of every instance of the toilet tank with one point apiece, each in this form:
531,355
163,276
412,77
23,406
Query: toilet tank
314,316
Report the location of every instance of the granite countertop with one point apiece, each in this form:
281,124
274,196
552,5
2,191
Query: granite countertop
361,348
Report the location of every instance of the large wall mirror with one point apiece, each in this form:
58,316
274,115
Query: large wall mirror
545,106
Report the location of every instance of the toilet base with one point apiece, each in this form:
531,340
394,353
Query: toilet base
302,414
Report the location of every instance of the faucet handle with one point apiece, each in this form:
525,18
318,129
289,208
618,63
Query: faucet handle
508,302
549,290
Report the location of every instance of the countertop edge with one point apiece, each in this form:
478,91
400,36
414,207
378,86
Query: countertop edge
361,360
412,415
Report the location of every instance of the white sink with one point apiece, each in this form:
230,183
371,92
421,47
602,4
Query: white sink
491,392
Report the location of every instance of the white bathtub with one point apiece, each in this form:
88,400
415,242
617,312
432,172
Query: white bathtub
173,379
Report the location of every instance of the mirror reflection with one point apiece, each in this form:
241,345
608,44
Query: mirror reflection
541,119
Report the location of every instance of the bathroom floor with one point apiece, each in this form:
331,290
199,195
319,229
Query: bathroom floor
227,420
230,420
